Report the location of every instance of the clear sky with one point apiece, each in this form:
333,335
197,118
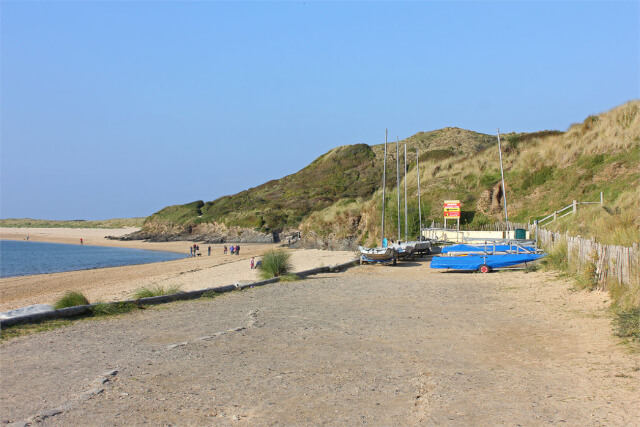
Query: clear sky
119,108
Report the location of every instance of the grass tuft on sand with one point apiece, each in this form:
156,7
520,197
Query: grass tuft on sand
275,263
71,299
156,291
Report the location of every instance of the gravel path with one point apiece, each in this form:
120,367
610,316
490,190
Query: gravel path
373,346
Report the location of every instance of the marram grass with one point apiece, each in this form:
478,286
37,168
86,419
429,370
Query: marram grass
275,263
71,299
156,291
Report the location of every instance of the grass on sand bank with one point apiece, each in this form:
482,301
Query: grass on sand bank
71,299
275,263
156,291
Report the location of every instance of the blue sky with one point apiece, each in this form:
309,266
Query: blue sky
118,109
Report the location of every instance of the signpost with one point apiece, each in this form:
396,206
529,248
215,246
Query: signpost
452,211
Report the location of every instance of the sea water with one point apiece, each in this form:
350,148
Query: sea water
20,258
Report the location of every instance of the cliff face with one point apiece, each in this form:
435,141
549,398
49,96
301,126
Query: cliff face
207,233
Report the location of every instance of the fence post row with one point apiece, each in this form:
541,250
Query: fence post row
611,262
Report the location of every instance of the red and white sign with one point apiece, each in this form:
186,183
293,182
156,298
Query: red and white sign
452,208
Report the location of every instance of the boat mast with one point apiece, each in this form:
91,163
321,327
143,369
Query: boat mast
504,193
384,182
419,206
406,228
398,182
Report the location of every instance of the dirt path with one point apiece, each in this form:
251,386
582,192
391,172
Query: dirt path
372,346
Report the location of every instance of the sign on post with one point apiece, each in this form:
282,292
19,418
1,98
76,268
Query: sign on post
452,210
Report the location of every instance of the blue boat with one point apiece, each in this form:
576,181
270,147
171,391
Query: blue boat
488,249
483,262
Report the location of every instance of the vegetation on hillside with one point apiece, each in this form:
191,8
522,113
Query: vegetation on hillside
339,194
349,173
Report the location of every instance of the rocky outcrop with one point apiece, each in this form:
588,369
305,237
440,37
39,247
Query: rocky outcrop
332,243
205,233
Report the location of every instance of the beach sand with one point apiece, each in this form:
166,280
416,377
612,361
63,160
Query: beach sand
374,345
119,283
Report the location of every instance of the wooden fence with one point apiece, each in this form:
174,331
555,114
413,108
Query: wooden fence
611,262
495,226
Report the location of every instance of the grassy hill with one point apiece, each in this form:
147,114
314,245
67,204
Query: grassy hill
339,194
347,173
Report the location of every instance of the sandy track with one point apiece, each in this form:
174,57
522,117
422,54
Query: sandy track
372,346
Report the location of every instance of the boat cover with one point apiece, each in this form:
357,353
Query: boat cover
482,248
474,261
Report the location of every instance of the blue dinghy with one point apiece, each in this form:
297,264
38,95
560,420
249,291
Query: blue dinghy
489,249
484,263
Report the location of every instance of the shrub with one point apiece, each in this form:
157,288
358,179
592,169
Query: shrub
274,263
558,257
627,322
156,291
71,299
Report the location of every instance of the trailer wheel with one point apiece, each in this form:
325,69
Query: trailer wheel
395,261
484,268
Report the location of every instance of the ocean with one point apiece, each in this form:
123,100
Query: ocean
21,258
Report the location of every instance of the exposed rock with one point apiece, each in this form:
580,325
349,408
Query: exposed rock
209,233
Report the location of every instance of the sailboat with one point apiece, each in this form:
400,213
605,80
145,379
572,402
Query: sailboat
420,246
384,254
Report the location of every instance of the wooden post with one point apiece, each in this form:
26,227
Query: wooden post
575,206
601,199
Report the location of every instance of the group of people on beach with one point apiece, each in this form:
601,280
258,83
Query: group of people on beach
233,249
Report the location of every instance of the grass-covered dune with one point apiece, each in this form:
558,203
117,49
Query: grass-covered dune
339,194
44,223
347,173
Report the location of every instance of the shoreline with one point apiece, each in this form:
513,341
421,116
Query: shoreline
118,283
90,237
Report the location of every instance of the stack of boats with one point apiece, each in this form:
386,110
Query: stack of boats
390,252
394,251
486,257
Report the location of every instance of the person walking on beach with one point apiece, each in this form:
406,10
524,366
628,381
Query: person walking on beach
225,249
237,249
81,241
252,262
191,251
209,251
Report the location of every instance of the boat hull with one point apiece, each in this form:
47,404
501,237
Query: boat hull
473,262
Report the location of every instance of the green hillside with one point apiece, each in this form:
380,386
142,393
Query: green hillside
339,194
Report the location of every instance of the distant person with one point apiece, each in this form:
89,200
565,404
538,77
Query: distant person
209,251
252,262
191,251
225,249
27,237
258,264
237,249
81,241
232,249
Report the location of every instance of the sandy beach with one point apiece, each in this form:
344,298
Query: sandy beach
119,283
373,345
